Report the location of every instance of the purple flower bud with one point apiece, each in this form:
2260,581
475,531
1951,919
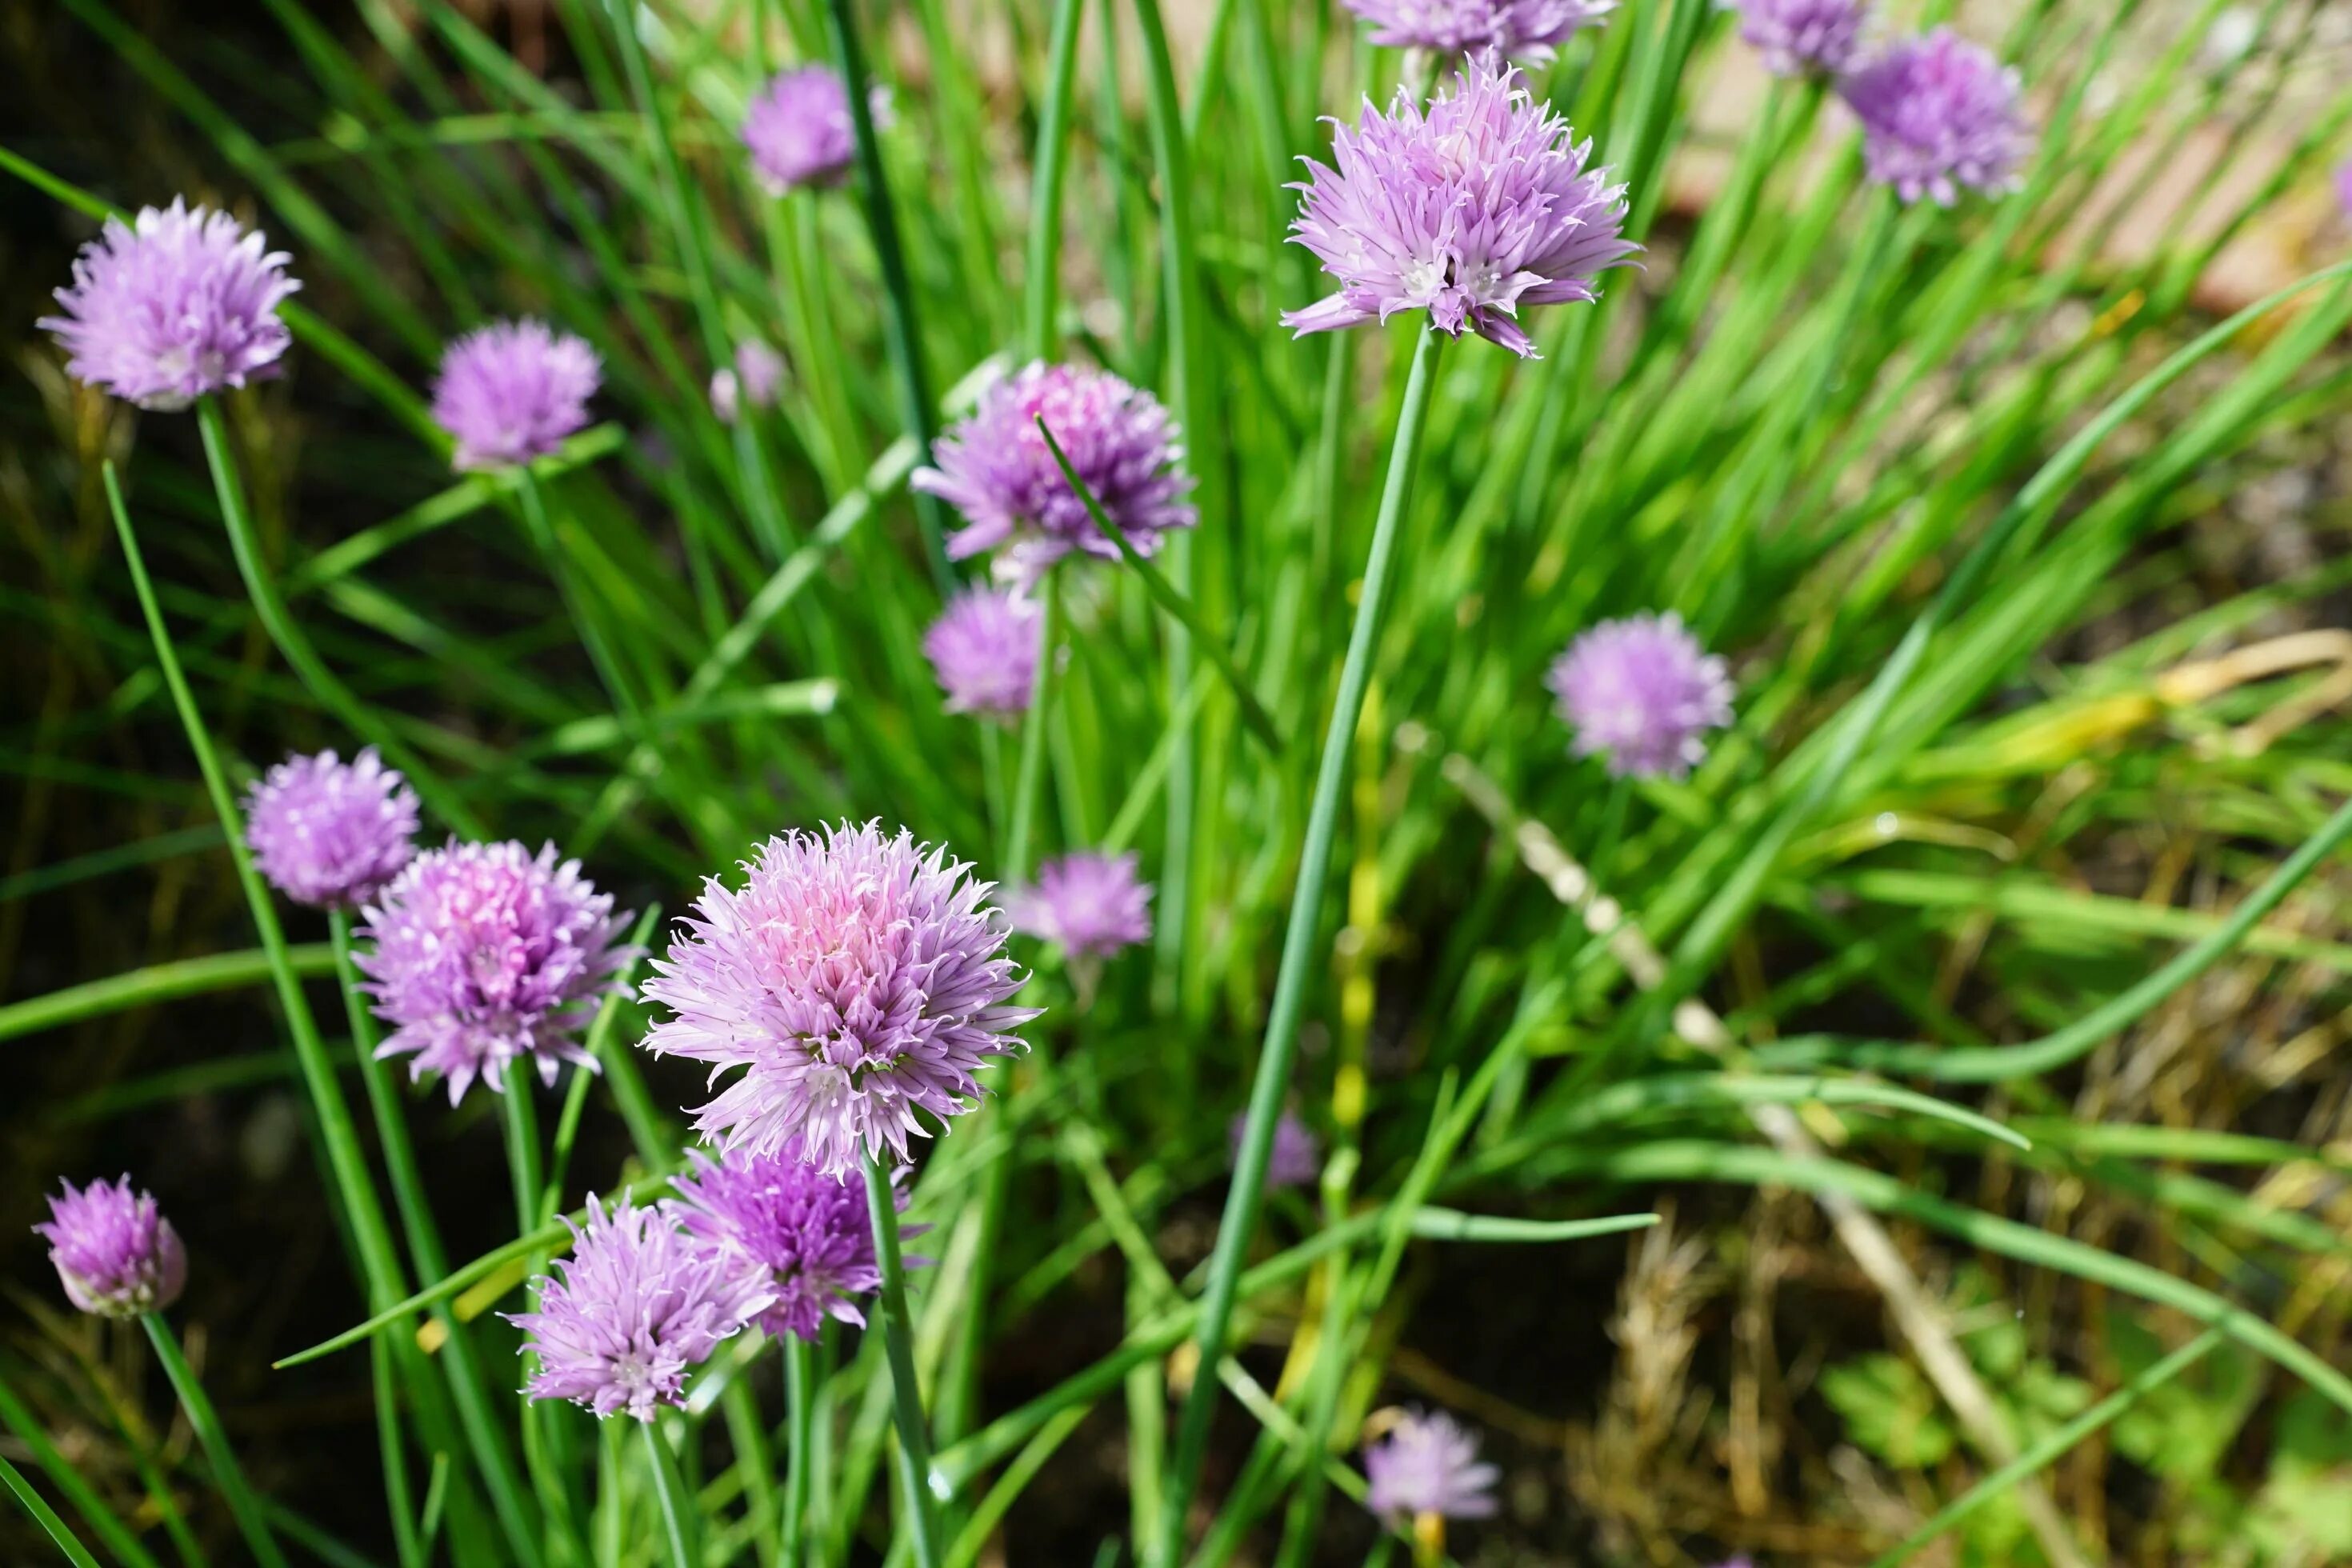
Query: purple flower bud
996,470
512,391
1938,113
1293,1160
1092,905
856,979
1428,1463
1470,211
115,1253
1642,692
983,649
484,956
180,305
802,1234
755,378
798,130
1529,30
1805,38
332,834
639,1305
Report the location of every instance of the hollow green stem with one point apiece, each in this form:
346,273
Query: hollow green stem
1298,959
46,1517
907,1399
669,1492
206,1422
800,1416
1042,280
1029,776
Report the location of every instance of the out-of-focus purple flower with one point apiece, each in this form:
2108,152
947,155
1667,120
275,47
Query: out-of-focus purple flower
1938,113
1805,38
485,955
639,1305
329,833
855,978
983,649
1529,30
1643,693
178,305
803,1235
2344,187
115,1253
1428,1463
755,377
798,130
996,470
1294,1161
1477,207
1092,904
512,391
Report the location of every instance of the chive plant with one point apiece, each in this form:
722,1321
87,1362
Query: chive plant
1592,643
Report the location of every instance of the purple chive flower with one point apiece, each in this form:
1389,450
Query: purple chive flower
803,1235
1805,38
1642,692
1294,1161
1093,905
798,130
512,391
640,1304
483,956
177,306
755,377
115,1253
1469,211
983,649
855,978
1428,1463
1937,112
995,469
1529,30
331,834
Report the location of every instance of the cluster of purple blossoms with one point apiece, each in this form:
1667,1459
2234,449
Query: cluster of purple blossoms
996,470
1293,1160
640,1304
1428,1463
483,956
1643,693
753,380
332,834
1469,211
1092,905
799,130
1529,30
855,978
512,391
180,304
803,1235
1805,38
1940,113
115,1253
983,649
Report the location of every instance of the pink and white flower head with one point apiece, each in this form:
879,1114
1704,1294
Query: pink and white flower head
179,304
486,956
799,130
332,834
1478,207
513,391
983,649
640,1304
1089,904
115,1253
855,979
1643,693
996,470
755,378
1938,114
1528,30
1428,1463
803,1235
1805,38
